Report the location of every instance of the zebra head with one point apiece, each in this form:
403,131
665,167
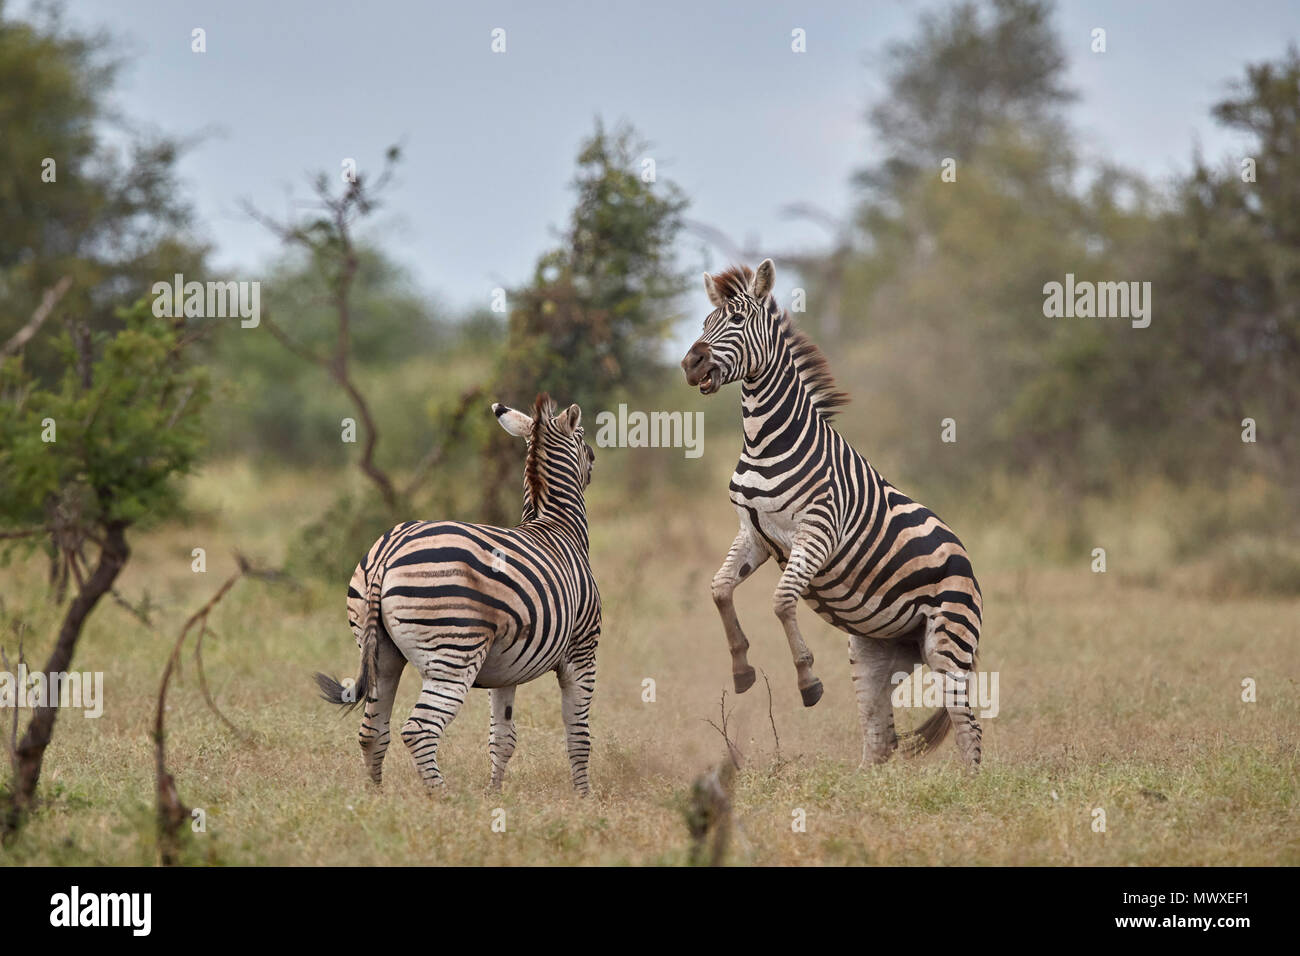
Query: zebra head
740,334
559,458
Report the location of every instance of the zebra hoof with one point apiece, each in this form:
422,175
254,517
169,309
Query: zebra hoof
744,679
811,694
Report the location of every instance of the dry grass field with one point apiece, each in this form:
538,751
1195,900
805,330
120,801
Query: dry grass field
1119,691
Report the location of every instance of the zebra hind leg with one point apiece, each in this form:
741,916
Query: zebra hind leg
577,683
952,655
374,735
447,680
501,743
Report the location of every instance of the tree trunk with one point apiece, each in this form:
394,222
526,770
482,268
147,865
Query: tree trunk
31,751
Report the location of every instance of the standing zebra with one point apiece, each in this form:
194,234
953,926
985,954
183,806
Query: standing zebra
476,606
869,560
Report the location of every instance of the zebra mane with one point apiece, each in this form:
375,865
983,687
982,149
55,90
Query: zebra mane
814,370
809,361
534,480
733,281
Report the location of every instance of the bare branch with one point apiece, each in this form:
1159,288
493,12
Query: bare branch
330,238
435,454
203,679
302,352
772,719
180,406
171,812
732,750
48,301
139,613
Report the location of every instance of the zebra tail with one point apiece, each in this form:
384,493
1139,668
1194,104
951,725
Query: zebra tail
928,736
350,697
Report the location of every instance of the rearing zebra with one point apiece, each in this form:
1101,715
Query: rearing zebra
867,558
472,605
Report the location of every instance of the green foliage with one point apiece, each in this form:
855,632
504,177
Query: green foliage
963,78
1223,258
125,418
944,289
330,547
590,325
110,219
599,306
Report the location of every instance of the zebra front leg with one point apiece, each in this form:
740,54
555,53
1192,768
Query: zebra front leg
806,558
577,683
447,679
744,557
374,735
501,744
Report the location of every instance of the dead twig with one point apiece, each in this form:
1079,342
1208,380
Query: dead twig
732,750
772,719
172,813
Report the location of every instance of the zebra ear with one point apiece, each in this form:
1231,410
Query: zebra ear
764,277
572,418
712,291
515,422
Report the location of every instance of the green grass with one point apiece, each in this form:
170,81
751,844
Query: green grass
1119,691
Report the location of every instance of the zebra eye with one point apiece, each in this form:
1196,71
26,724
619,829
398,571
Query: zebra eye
737,317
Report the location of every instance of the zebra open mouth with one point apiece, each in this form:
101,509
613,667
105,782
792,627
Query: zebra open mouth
708,385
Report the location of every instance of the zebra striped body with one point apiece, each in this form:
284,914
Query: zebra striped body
867,558
477,606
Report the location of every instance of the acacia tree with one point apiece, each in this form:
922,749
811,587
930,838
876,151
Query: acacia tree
599,306
81,463
329,241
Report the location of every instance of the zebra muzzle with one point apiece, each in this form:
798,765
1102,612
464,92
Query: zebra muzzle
701,370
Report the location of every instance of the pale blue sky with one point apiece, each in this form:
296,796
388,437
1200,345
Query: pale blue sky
742,123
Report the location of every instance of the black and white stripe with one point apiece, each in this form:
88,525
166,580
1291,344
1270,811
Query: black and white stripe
477,606
867,558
